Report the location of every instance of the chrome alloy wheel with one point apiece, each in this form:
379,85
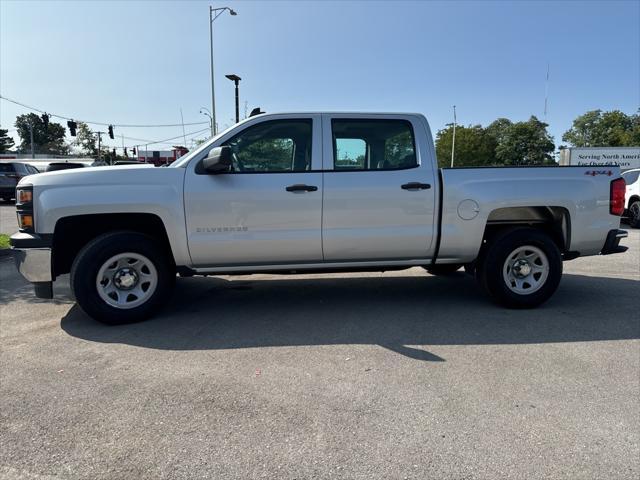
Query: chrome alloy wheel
525,270
127,280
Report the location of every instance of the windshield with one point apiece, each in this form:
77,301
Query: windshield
182,161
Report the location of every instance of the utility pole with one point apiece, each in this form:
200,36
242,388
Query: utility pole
453,143
99,146
33,151
184,136
546,94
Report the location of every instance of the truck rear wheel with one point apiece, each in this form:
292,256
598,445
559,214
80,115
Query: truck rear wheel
521,268
121,277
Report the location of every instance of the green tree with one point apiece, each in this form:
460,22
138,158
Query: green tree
526,143
46,140
499,128
475,147
86,141
6,142
604,129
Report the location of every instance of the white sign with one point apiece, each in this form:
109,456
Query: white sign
625,157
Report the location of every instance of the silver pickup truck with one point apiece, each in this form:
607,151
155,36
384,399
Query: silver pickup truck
310,192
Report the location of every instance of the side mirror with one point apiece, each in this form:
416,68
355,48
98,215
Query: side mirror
218,160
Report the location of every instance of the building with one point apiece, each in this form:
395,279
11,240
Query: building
160,157
625,157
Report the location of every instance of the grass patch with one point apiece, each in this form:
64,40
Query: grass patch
4,241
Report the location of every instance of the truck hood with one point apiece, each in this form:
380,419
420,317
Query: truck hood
114,175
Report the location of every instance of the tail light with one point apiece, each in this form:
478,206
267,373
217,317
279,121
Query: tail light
616,196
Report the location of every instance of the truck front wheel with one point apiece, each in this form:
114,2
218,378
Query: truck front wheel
521,268
121,277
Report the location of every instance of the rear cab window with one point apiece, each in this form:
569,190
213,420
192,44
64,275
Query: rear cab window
372,144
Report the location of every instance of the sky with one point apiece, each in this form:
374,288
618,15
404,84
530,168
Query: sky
141,62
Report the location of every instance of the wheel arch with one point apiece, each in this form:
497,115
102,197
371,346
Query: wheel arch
72,233
554,220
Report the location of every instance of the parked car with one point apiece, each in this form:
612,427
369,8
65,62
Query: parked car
10,174
55,166
298,193
128,162
632,197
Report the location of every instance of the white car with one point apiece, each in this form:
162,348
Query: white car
632,197
310,192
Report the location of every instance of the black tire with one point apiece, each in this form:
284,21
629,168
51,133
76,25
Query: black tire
96,253
634,214
443,270
501,247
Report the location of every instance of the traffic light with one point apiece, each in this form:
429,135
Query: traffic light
45,120
126,154
134,151
113,152
72,127
111,131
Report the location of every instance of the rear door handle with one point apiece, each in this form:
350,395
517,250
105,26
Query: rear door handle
301,187
416,186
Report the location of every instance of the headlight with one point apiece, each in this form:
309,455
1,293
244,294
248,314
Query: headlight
24,207
24,196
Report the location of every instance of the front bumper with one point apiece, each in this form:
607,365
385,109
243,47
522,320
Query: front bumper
34,263
32,254
612,244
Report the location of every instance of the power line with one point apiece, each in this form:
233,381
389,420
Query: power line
124,125
146,142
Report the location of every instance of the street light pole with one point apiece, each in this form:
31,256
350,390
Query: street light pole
213,14
453,143
208,114
236,80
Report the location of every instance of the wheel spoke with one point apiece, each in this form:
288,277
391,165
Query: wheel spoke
109,288
538,268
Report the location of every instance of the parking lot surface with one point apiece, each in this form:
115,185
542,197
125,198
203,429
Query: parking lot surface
8,220
355,376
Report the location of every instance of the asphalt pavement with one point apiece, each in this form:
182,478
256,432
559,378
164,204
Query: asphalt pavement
8,219
354,376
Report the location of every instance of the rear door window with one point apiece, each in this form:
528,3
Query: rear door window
6,168
373,144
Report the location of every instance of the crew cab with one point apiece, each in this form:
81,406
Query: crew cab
310,192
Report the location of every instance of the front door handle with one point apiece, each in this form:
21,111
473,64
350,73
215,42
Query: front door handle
301,187
416,186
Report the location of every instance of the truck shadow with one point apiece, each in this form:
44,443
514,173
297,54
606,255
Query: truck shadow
403,314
